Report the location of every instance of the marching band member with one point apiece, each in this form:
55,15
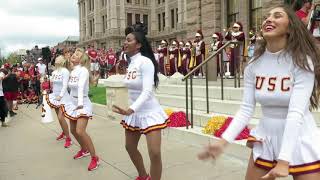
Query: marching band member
60,96
182,58
236,34
217,43
173,57
163,52
200,52
145,115
79,110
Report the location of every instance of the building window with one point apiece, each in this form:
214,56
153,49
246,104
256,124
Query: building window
232,11
159,22
137,1
90,27
163,20
159,1
92,5
137,17
84,9
129,19
145,19
102,3
255,14
172,18
93,28
163,1
145,2
129,1
104,23
177,17
85,28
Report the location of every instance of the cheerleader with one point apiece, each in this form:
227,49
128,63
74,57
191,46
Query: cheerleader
79,109
145,115
284,78
60,96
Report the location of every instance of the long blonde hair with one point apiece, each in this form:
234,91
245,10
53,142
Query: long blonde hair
84,60
63,62
300,44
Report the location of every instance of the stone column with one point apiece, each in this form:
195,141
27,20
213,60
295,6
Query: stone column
116,94
122,17
180,14
97,20
113,17
154,23
185,14
87,19
167,12
80,21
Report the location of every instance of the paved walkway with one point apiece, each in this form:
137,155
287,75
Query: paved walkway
29,151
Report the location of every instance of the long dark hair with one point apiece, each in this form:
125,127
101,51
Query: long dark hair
300,44
139,31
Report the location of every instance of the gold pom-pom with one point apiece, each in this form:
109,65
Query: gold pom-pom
214,124
168,111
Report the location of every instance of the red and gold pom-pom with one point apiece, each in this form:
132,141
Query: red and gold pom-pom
214,124
178,119
168,111
243,135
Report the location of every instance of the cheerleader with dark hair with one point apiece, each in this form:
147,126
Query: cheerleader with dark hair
145,115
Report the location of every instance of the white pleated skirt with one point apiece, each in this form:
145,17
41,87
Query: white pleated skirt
266,139
145,122
70,113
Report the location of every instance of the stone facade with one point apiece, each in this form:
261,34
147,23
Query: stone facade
102,22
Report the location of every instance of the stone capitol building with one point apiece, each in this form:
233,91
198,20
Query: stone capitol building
102,22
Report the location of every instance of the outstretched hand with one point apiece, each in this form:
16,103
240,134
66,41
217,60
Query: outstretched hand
213,151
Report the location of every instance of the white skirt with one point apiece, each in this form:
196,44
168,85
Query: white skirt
53,103
70,113
145,122
267,139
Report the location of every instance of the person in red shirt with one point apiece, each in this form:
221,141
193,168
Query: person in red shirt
304,12
45,85
112,60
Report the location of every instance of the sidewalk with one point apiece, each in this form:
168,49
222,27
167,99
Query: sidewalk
29,151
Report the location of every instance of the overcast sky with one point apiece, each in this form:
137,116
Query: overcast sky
25,23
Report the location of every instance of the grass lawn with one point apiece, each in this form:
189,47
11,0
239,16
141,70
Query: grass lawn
98,95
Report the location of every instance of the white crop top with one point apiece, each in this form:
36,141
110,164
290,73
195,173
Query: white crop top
60,78
79,83
140,82
284,92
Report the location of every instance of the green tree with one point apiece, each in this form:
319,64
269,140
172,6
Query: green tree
13,58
